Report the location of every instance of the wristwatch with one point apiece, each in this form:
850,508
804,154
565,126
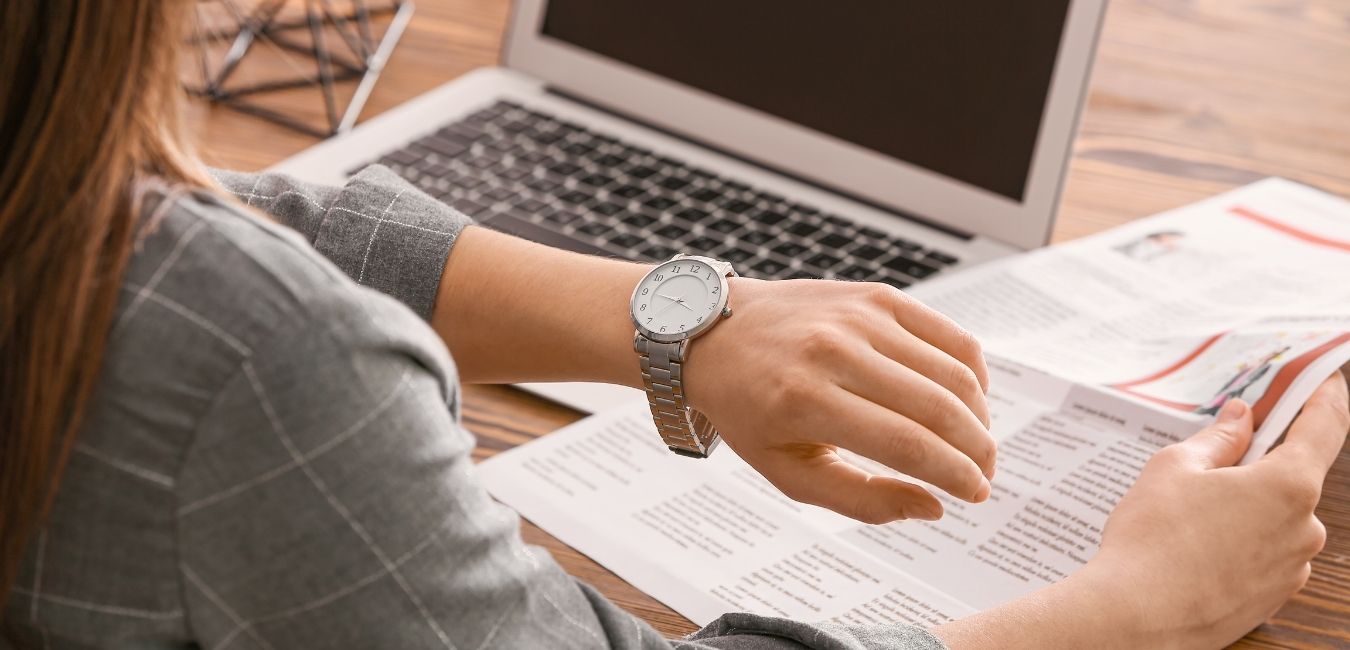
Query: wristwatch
678,300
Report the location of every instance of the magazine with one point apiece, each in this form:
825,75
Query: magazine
1101,351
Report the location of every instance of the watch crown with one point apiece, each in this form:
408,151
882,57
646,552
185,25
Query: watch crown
726,311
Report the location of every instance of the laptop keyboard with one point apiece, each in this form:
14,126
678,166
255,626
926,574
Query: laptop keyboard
512,163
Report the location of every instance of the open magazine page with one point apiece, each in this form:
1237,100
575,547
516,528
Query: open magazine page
1242,295
706,537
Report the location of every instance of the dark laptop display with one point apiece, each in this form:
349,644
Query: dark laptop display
953,89
958,88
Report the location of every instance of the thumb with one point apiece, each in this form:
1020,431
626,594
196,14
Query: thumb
1223,443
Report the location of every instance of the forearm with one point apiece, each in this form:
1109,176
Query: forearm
1086,610
512,310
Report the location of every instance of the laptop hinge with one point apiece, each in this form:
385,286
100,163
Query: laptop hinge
927,223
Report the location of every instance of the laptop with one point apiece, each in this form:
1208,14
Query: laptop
796,139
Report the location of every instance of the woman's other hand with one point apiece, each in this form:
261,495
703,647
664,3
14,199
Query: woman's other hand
1211,549
805,367
1198,553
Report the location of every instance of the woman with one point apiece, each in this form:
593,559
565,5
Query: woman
213,436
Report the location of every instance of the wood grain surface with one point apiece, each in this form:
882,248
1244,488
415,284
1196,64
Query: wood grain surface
1189,98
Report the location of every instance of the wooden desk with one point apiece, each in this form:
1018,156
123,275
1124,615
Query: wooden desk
1189,98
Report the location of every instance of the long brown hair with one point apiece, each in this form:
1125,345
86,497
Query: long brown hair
89,112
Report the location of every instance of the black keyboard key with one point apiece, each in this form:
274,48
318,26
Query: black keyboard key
641,172
628,191
657,252
703,244
607,209
471,208
435,169
872,233
736,205
868,252
912,268
575,197
724,226
564,169
834,240
559,216
515,173
803,229
694,215
578,148
659,203
594,228
942,258
768,217
801,275
906,245
838,221
542,185
789,249
596,180
769,267
896,282
609,160
625,241
735,255
671,231
530,206
638,220
706,195
857,273
672,183
548,138
823,260
755,237
500,194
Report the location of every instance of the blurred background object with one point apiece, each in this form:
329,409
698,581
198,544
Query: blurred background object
313,46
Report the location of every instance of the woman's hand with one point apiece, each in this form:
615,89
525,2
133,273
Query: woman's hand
801,368
805,367
1198,552
1213,550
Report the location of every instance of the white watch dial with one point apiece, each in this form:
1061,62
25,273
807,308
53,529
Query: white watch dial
678,297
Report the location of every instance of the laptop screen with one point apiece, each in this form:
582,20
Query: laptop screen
957,88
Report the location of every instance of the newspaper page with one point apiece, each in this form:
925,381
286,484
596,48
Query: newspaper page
1101,352
713,536
1242,295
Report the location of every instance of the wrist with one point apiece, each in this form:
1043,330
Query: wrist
511,310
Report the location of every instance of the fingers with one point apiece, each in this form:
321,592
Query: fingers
824,479
1222,443
915,392
1317,434
926,359
900,443
942,332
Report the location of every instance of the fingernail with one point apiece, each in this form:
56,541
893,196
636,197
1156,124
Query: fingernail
983,493
1233,409
925,512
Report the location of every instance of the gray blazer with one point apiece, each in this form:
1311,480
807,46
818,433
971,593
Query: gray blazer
274,459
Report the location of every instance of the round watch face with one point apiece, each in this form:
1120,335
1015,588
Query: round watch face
678,299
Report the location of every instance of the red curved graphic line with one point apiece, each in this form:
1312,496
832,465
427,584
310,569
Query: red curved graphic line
1247,213
1174,367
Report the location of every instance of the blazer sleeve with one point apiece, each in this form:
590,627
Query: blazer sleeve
379,229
